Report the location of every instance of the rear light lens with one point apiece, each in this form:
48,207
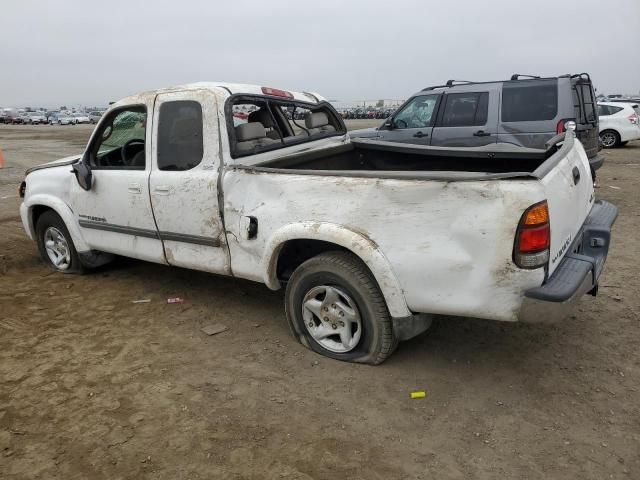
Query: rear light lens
561,127
276,92
533,237
633,119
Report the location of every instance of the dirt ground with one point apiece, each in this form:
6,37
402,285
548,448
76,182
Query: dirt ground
94,386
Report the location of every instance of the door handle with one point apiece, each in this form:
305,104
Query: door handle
162,190
134,188
420,135
481,133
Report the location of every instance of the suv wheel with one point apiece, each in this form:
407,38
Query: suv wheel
55,244
335,307
610,139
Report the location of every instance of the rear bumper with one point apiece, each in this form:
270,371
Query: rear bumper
578,271
596,162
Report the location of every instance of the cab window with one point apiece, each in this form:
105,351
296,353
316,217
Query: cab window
180,145
120,141
418,113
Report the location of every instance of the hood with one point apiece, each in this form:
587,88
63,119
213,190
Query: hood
56,163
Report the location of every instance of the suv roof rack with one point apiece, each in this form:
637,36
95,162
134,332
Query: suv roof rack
449,84
516,76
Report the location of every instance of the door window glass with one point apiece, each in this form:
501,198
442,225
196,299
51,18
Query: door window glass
529,101
180,145
466,109
121,140
418,113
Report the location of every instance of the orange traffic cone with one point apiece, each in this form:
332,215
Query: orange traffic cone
1,159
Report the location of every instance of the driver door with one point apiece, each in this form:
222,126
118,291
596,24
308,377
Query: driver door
115,214
414,122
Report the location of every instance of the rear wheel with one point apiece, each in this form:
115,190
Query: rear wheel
610,139
55,244
335,307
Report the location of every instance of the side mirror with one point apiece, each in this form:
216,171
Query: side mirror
82,171
388,123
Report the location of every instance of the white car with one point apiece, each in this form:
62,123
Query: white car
370,238
81,118
64,119
619,123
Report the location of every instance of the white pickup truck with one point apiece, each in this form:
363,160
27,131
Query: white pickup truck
371,239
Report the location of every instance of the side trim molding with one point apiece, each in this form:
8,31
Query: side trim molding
143,232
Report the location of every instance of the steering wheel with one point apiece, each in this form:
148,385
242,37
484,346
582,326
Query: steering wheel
123,150
398,121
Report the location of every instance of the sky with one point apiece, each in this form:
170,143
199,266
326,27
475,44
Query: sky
76,52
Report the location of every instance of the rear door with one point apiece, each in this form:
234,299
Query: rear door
569,191
413,123
184,180
468,119
586,114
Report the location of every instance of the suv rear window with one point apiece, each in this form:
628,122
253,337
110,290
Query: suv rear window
524,101
465,109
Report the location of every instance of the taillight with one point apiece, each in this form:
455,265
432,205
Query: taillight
276,92
533,237
562,124
633,119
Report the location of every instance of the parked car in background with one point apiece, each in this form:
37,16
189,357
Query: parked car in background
619,123
95,116
52,117
520,111
36,118
81,117
64,119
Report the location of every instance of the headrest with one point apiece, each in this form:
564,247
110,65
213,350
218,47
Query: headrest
262,116
250,131
316,120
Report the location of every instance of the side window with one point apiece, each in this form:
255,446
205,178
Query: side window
418,113
466,109
613,109
603,110
120,142
180,145
529,101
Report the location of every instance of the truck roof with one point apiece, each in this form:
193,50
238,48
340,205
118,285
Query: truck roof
230,88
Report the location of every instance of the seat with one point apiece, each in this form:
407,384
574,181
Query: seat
318,122
250,136
264,117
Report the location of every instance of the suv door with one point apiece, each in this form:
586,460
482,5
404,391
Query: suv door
467,119
184,180
531,111
413,123
115,214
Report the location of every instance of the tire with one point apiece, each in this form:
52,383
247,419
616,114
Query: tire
48,227
610,138
329,274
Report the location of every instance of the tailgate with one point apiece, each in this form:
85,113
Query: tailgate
569,192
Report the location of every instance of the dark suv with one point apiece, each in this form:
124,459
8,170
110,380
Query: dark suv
525,111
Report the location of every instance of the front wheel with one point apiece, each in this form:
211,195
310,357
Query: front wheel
55,244
335,307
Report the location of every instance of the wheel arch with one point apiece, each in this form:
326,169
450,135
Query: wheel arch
320,237
38,204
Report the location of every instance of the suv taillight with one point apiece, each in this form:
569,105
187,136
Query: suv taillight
633,119
562,124
533,237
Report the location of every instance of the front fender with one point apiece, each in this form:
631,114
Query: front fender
363,247
62,209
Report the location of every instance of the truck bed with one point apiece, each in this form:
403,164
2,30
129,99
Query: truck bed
365,155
